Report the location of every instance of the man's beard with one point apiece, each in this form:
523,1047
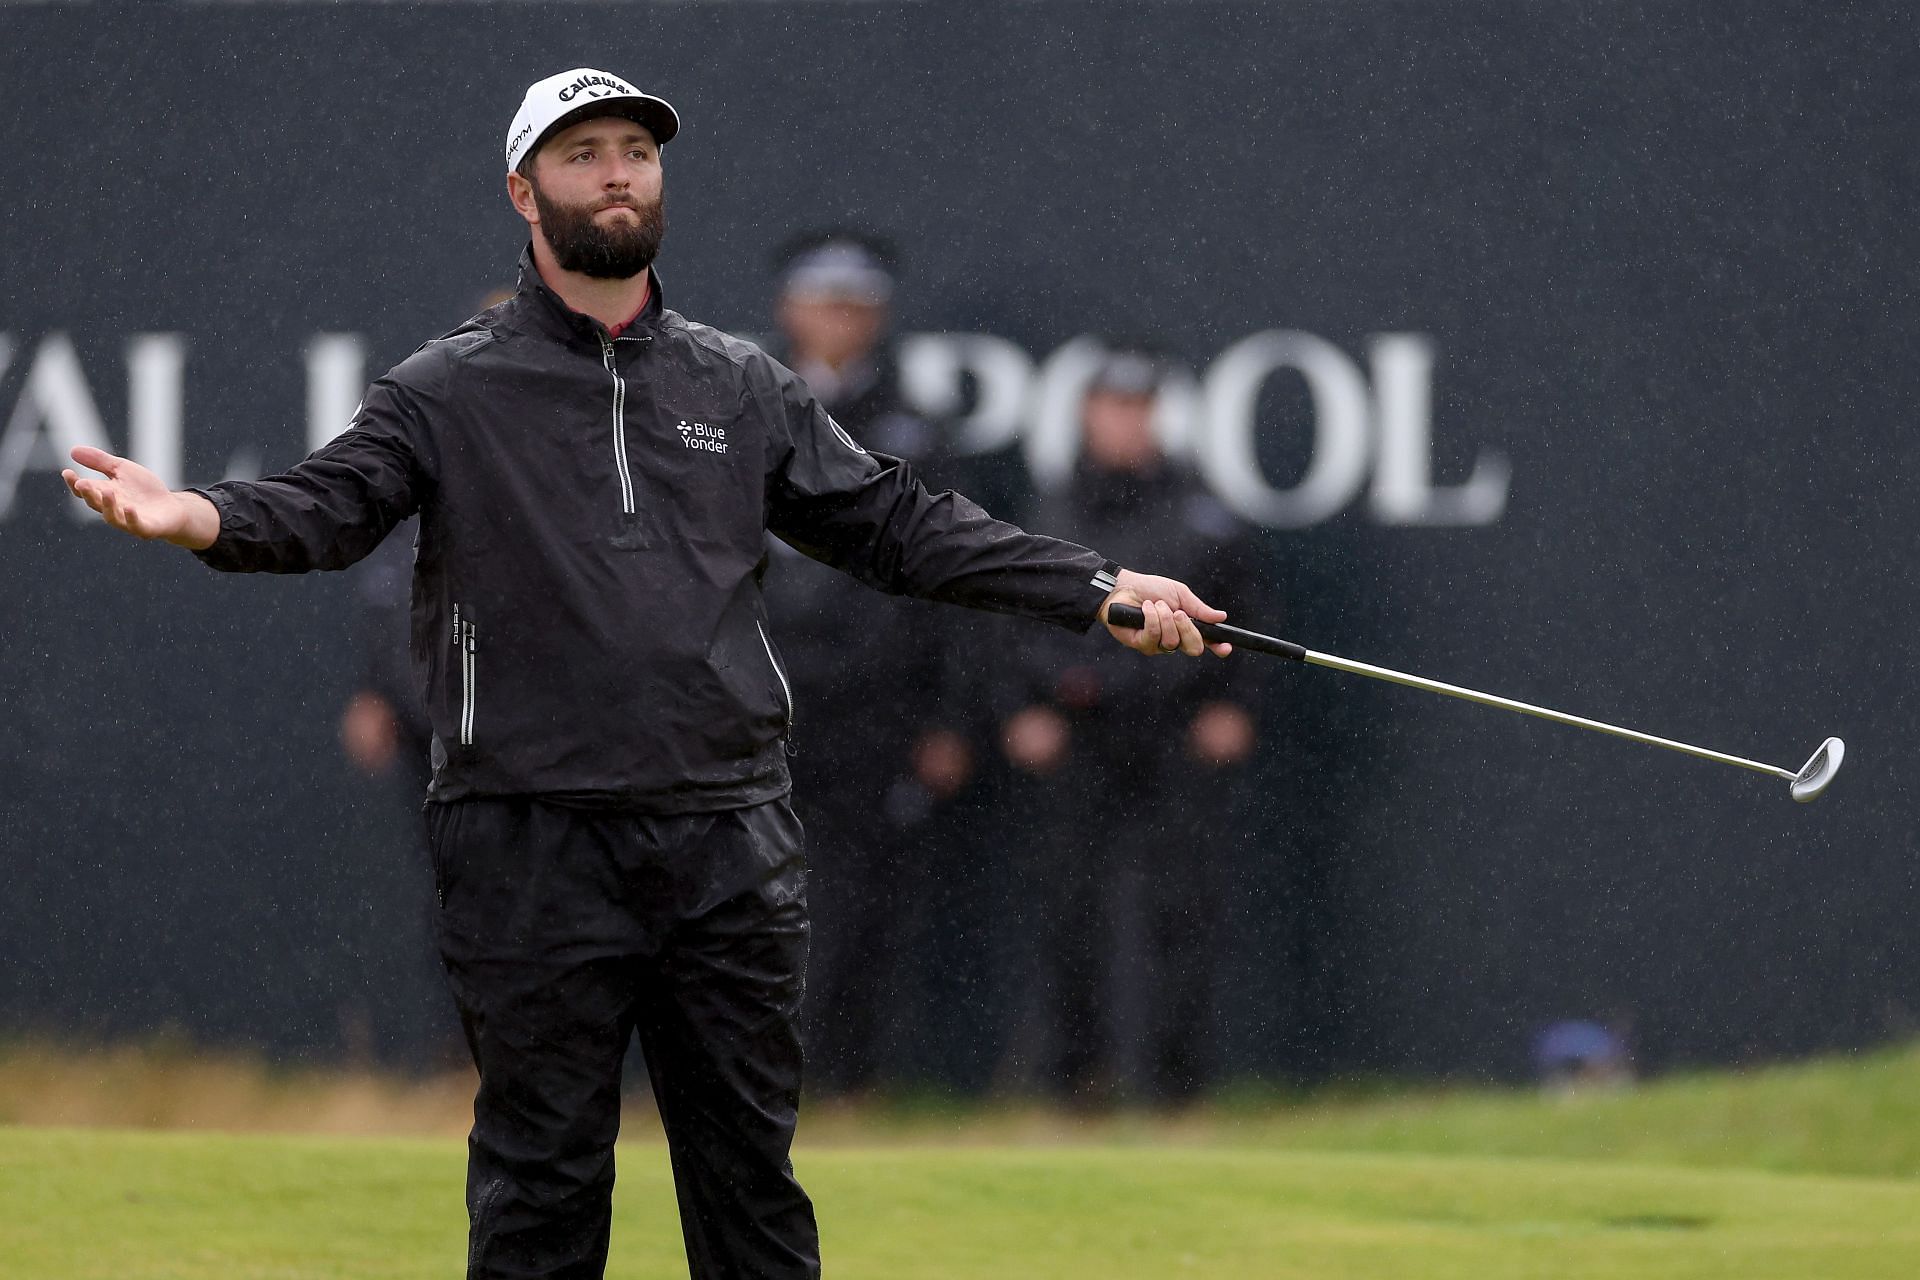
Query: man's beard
616,252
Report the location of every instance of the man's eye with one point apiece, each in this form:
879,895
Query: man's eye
583,155
638,153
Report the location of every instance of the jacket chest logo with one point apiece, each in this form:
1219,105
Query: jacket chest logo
703,436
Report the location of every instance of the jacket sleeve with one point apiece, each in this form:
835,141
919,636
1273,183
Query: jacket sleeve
333,507
867,514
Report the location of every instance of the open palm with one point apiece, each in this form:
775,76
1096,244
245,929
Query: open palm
130,497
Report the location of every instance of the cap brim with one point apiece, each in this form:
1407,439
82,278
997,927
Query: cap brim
655,113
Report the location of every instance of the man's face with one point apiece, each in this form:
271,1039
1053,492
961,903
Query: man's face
593,193
835,331
1119,431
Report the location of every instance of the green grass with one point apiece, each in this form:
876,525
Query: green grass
1795,1172
1852,1114
103,1205
1849,1115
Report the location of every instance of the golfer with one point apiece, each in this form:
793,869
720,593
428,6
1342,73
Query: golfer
613,848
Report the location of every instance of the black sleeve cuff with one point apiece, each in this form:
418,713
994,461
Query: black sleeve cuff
1104,580
219,554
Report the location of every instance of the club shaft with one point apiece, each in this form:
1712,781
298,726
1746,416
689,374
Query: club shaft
1529,709
1128,616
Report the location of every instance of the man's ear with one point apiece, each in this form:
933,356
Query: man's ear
520,192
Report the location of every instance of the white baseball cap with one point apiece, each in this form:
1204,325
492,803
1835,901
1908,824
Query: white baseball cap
579,94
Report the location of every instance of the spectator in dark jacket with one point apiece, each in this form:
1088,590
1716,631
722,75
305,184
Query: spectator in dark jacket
400,1007
1128,909
394,1009
874,762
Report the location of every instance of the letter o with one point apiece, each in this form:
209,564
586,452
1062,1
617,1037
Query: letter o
1226,452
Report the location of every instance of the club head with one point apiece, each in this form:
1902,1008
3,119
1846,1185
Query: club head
1817,773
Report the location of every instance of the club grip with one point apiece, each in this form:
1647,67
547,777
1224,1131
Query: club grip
1127,615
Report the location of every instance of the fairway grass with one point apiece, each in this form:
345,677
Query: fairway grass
110,1205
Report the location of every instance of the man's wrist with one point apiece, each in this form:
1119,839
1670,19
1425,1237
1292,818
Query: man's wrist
1105,581
199,521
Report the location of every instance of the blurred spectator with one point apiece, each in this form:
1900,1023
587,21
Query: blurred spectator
384,727
400,1016
873,775
1124,904
396,1010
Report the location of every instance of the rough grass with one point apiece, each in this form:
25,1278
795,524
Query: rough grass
109,1205
165,1085
1854,1114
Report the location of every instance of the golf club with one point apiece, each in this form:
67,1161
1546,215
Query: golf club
1812,779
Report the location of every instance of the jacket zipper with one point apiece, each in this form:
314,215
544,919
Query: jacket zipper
786,690
466,645
619,424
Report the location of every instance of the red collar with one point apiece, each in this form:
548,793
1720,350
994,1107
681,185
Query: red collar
615,330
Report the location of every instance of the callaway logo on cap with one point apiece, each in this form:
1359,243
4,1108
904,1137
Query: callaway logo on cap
559,101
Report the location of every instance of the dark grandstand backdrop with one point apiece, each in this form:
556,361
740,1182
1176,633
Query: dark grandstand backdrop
1664,262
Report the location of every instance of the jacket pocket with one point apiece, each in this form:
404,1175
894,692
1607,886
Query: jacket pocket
466,647
786,690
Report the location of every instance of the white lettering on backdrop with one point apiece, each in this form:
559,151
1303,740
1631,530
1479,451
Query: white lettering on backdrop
53,413
1377,420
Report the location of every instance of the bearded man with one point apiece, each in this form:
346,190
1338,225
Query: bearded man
613,849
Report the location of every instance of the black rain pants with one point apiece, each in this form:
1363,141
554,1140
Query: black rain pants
566,931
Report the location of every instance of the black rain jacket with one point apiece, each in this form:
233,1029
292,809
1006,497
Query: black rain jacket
587,620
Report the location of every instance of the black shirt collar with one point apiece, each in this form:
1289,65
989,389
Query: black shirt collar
551,312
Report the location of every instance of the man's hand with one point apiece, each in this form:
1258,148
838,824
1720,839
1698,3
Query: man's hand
942,762
370,732
134,499
1170,609
1221,734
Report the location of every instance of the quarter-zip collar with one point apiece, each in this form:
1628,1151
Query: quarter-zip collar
549,312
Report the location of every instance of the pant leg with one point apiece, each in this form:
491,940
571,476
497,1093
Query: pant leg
534,952
1192,886
943,931
1131,972
717,1022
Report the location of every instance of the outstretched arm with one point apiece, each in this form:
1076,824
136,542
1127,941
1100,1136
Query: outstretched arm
324,512
868,515
132,498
